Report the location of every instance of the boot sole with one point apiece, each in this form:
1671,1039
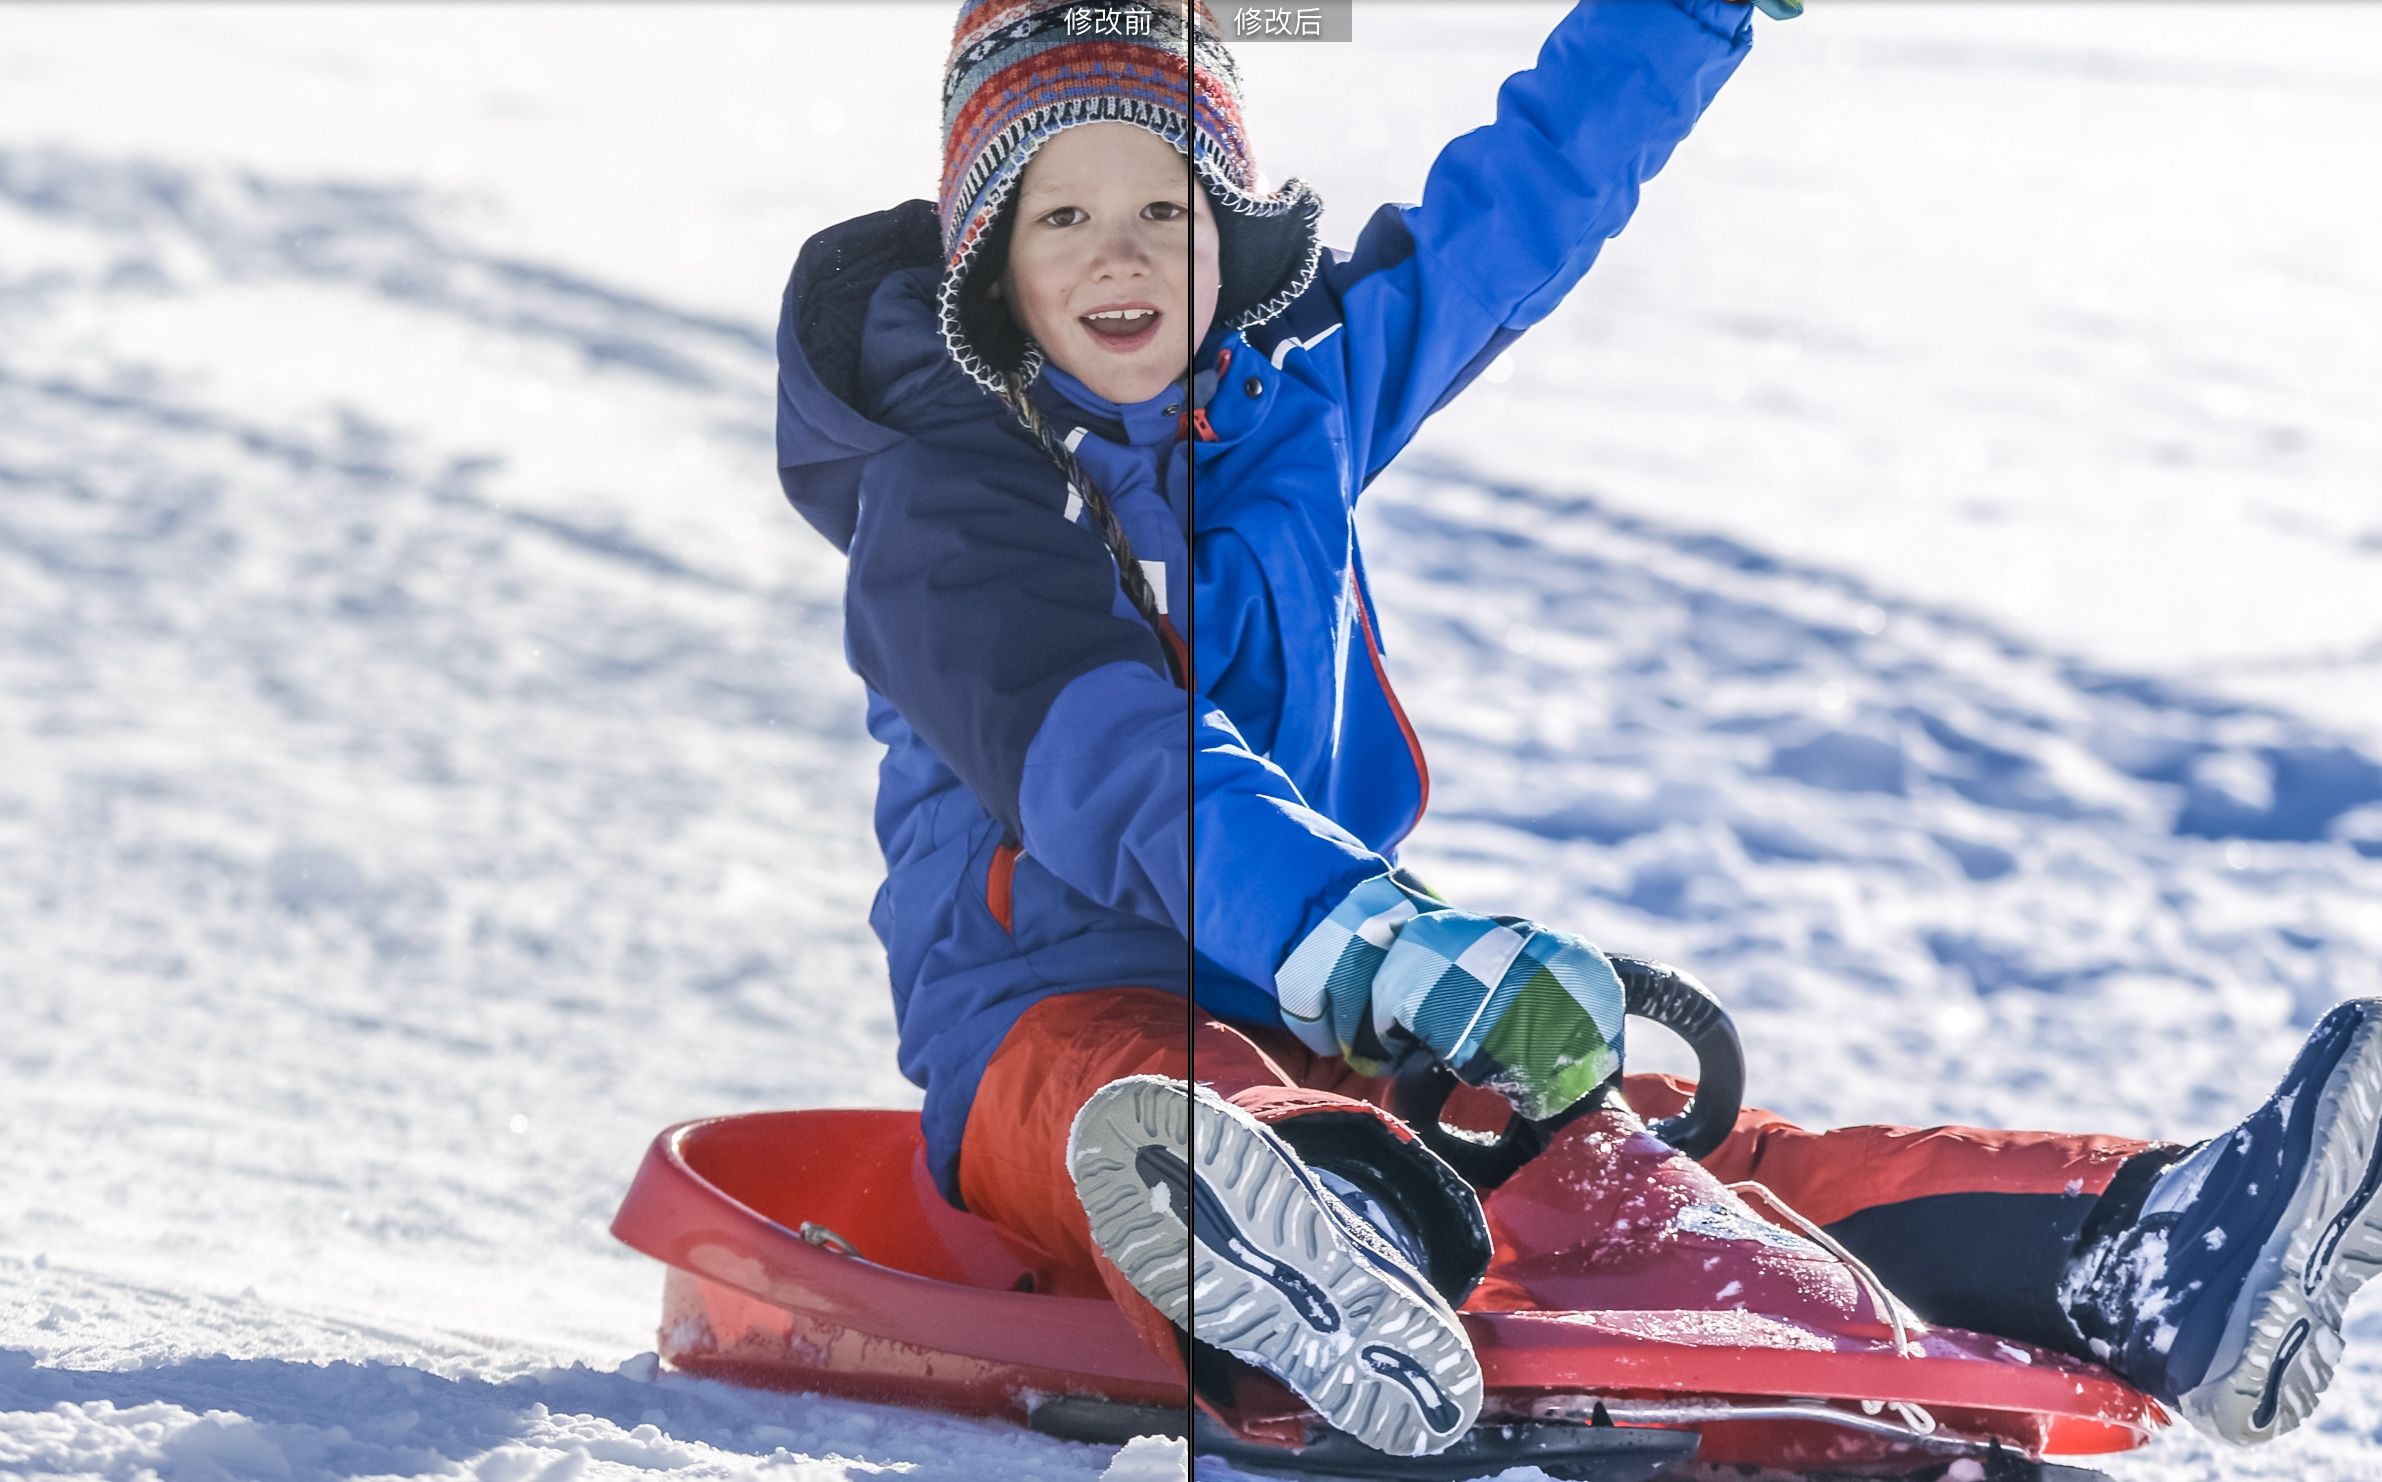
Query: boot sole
2285,1340
1276,1280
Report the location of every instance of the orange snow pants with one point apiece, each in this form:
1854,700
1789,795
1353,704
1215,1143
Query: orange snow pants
1969,1226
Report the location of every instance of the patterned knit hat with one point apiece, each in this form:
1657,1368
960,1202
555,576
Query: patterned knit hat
1021,71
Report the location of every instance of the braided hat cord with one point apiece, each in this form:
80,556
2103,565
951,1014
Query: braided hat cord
1104,515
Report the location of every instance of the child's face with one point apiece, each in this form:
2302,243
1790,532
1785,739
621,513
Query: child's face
1108,218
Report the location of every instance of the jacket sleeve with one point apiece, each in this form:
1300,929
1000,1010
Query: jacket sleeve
1514,213
1103,799
995,626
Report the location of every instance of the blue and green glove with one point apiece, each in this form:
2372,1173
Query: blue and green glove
1529,1012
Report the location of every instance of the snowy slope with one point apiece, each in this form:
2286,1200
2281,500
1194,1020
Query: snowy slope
430,768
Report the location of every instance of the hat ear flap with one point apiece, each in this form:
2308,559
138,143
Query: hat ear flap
1264,261
984,319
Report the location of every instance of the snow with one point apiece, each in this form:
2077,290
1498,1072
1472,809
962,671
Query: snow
1148,1459
1929,581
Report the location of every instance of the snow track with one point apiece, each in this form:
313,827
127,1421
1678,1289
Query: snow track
1832,800
1924,592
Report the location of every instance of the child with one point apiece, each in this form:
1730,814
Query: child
1125,850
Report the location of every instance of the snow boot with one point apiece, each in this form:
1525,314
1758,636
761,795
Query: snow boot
2221,1292
1253,1253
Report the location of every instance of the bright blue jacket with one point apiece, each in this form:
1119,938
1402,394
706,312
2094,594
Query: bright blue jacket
1049,794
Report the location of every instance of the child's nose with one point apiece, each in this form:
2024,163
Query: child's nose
1120,249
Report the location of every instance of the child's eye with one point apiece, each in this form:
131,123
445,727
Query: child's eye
1048,216
1167,210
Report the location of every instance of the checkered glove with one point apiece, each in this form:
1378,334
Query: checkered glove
1529,1012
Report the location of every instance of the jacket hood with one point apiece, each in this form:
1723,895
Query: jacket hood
858,322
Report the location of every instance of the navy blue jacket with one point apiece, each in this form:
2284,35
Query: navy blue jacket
1049,793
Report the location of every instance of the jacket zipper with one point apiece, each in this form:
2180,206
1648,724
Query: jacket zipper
1000,884
1178,653
1414,745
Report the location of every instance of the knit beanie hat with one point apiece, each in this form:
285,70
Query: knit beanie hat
1020,72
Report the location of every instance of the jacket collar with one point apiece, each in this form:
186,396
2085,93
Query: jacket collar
1229,398
1141,424
1239,389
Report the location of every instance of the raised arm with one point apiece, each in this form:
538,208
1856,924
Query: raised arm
1514,213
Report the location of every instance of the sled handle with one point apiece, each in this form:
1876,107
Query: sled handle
1652,991
1662,994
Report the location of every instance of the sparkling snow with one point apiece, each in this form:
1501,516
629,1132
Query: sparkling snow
1928,580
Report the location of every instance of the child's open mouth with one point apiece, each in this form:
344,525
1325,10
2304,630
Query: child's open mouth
1123,330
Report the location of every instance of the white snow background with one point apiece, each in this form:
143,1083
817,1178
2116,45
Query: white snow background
1928,580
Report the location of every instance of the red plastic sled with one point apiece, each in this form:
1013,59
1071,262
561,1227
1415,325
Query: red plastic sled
810,1251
